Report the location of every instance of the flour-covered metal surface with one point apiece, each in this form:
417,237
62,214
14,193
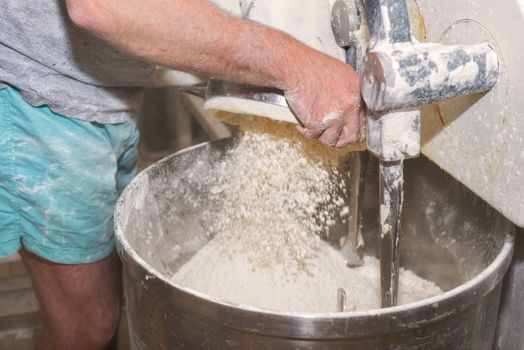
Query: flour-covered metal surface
411,74
479,140
388,23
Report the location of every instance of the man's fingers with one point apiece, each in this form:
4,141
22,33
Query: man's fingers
335,130
314,130
309,134
338,133
351,132
347,137
332,134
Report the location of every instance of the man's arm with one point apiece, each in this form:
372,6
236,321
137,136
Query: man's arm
195,36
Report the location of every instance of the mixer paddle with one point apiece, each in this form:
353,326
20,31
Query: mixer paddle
391,197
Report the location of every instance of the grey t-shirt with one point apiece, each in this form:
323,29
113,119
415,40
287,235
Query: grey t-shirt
52,62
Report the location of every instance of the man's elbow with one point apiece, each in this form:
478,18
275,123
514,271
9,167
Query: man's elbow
85,14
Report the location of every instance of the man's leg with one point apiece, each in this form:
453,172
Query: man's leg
80,303
61,178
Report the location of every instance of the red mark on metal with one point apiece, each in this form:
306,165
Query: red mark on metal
440,115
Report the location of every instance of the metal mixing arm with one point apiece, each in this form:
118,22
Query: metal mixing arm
398,74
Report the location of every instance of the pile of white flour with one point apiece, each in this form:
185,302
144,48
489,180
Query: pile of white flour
276,194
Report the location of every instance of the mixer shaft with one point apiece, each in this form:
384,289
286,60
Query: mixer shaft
391,198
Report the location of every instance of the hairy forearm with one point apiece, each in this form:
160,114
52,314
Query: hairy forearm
195,36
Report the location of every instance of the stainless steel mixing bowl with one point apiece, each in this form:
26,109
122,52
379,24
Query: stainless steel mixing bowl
449,236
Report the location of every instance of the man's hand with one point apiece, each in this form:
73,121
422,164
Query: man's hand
195,36
327,102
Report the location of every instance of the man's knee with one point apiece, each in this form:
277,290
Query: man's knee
100,312
80,303
90,326
103,324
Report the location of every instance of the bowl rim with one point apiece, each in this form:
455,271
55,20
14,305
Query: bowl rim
497,268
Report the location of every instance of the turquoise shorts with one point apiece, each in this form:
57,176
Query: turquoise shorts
59,181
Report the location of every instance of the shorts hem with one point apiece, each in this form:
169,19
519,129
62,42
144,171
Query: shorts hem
9,248
69,255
